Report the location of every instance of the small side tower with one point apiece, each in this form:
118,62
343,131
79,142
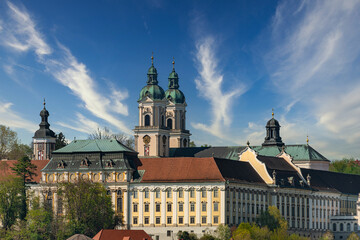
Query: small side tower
44,138
273,133
176,113
152,136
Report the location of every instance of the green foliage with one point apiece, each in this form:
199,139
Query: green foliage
207,236
7,139
10,201
223,232
327,236
205,145
60,141
186,235
19,150
192,144
271,227
353,236
88,208
350,166
25,170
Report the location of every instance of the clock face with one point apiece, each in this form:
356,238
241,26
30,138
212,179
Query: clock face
146,139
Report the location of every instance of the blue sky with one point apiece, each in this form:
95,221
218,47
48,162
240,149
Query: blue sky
236,61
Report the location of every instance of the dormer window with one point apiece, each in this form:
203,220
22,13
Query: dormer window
110,163
85,162
61,164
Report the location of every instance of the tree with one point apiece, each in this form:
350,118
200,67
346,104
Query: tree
25,170
207,236
88,208
353,236
205,145
327,236
106,134
350,166
268,219
19,150
223,232
10,201
192,144
184,235
60,141
7,139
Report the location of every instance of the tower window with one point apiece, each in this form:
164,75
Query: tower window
169,123
147,120
185,143
162,121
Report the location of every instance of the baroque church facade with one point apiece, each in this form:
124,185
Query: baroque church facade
165,186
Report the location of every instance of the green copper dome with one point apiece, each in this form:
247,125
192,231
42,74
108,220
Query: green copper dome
152,70
175,96
154,92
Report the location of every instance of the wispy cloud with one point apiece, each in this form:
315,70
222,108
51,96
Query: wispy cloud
81,124
22,35
314,61
13,119
210,84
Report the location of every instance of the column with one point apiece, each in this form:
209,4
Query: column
285,207
126,208
241,205
152,208
305,211
55,199
290,212
326,213
310,213
296,212
113,198
231,210
186,207
300,210
280,205
175,207
209,207
255,201
246,193
163,207
198,207
141,207
222,206
237,206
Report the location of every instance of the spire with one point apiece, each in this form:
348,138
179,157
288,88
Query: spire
272,114
173,78
44,125
152,73
307,139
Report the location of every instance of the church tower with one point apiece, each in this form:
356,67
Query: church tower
152,136
273,133
44,138
176,113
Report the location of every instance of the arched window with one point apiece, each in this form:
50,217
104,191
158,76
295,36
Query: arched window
348,227
169,123
341,227
119,202
271,133
334,227
355,227
185,142
147,120
49,199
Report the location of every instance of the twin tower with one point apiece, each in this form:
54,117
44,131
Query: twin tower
162,117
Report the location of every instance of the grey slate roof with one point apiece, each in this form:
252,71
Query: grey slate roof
299,152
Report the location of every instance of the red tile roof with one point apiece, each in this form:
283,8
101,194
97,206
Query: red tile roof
110,234
5,168
180,169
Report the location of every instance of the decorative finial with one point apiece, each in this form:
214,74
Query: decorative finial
44,103
173,63
272,113
307,139
152,58
248,143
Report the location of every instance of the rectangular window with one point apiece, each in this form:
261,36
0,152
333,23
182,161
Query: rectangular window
234,208
168,193
146,193
181,193
216,193
157,194
192,220
146,220
157,207
203,207
181,220
169,220
135,208
146,207
135,220
216,220
192,207
168,233
181,207
203,220
192,193
216,207
203,193
157,220
135,194
169,207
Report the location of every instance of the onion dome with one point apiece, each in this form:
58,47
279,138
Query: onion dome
173,94
44,130
152,89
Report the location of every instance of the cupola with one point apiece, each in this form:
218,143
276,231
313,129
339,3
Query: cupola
173,94
273,133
